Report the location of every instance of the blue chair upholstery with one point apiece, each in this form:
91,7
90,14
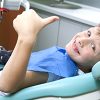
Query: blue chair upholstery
67,87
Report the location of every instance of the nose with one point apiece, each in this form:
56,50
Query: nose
84,41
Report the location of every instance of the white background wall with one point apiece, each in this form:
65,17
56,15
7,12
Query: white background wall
94,3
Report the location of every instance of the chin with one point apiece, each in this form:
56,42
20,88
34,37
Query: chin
67,48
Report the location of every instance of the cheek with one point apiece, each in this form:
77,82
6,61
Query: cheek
86,58
87,54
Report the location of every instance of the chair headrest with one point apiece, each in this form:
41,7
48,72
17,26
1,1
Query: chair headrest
96,71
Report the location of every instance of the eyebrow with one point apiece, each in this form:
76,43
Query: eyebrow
98,29
97,25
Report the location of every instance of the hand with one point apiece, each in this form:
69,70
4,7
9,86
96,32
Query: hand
29,23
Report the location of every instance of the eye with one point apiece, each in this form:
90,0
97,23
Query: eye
93,47
89,33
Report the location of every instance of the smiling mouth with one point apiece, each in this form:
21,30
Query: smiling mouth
75,48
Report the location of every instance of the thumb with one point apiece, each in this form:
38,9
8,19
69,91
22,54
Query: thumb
50,20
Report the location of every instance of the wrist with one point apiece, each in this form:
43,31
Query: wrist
26,40
29,38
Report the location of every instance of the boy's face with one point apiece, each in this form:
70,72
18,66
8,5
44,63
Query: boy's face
84,48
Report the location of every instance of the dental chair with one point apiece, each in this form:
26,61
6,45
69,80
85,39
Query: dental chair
82,87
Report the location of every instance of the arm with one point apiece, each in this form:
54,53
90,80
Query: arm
27,25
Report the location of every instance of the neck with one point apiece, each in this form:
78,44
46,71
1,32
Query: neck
84,69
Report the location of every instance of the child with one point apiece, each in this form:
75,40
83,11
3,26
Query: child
14,76
80,54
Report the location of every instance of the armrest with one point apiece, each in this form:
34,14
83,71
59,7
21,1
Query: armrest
67,87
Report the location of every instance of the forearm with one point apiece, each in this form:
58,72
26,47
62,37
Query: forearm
27,25
15,69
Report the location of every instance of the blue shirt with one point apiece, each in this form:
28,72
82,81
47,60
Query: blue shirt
53,60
